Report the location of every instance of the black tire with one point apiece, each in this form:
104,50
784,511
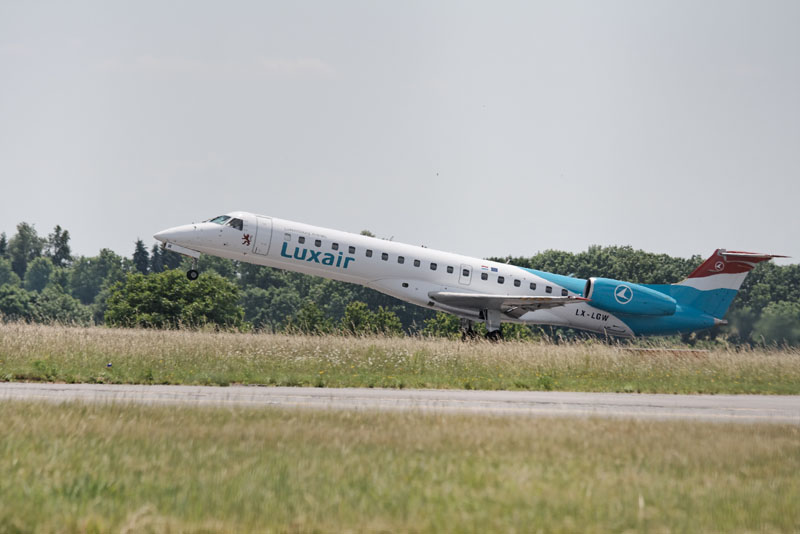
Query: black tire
494,336
191,274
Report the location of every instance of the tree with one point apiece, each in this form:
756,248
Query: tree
3,245
156,264
367,233
58,247
90,275
311,320
169,300
52,305
24,247
15,303
141,259
779,323
38,274
359,320
170,260
7,274
442,325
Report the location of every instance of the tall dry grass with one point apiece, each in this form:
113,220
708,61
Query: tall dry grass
96,354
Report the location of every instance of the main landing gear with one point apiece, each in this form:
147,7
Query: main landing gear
468,332
192,273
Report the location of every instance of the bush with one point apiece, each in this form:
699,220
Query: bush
170,300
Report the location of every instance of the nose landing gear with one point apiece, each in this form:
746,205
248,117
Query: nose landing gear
192,273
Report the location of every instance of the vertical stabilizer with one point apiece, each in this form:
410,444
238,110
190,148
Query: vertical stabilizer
717,280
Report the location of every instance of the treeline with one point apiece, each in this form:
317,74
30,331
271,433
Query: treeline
40,280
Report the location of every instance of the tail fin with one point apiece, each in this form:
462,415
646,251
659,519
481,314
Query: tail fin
718,280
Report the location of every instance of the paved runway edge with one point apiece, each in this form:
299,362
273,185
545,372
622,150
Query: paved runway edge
720,408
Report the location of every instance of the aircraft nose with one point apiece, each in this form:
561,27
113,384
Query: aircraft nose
173,235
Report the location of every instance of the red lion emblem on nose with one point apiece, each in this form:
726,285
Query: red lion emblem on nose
246,239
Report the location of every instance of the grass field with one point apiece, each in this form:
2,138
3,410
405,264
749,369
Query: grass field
64,354
96,468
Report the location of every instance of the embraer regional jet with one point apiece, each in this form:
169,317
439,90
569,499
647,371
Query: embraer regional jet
472,288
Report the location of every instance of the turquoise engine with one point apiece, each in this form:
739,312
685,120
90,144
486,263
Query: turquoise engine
627,298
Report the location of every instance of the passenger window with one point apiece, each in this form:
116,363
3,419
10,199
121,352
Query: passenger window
501,280
287,237
335,246
351,250
416,263
533,286
548,289
369,253
484,276
517,283
433,266
401,259
301,240
465,272
563,292
317,242
384,256
449,269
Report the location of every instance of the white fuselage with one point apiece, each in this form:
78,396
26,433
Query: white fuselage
407,272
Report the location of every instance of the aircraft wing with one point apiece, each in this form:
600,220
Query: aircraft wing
510,304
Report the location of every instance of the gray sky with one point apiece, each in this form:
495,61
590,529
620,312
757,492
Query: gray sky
486,128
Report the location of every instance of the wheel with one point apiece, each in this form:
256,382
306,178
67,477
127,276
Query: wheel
494,336
191,274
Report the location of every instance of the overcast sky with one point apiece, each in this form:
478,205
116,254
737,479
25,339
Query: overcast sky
484,128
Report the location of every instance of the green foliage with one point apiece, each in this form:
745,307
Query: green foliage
170,300
311,320
359,320
90,275
442,325
51,305
24,247
621,263
779,323
58,247
269,308
15,303
38,274
7,274
3,245
141,259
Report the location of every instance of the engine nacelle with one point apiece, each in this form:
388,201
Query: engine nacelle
624,297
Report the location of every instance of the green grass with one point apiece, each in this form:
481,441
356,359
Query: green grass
98,468
63,354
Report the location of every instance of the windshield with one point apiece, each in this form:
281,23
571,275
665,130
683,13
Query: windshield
220,220
235,223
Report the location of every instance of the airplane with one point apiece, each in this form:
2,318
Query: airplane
474,289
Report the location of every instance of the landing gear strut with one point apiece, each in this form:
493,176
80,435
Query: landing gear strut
467,332
493,325
192,273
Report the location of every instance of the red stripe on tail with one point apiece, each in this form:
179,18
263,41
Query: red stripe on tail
730,262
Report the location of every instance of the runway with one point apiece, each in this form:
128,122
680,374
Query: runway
720,408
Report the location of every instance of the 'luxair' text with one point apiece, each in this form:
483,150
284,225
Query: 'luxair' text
317,256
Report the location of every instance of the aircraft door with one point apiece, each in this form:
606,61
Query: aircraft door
465,275
263,236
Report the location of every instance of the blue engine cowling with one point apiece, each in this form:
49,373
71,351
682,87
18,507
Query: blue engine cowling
624,297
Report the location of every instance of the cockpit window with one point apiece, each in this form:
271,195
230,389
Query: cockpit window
235,223
219,220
